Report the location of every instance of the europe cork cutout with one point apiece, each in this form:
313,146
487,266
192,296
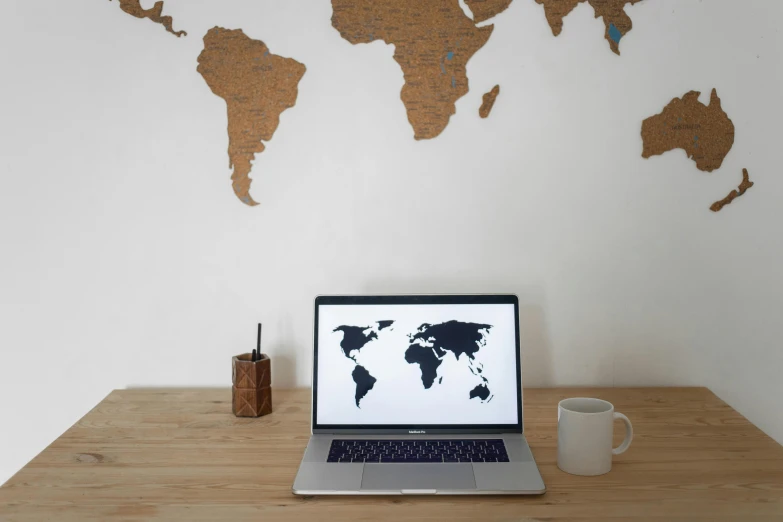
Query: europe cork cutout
257,87
155,13
617,22
704,132
483,10
734,194
433,42
488,101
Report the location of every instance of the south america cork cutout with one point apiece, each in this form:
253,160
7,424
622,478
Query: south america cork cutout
704,132
617,22
257,87
155,13
734,194
488,101
483,10
433,41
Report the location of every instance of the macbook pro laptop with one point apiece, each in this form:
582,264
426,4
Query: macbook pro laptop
417,395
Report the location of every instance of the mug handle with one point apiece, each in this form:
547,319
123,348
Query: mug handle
628,434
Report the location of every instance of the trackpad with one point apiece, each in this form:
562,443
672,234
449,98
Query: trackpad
397,477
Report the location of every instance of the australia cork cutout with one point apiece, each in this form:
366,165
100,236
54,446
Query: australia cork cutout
617,22
257,87
483,10
734,194
155,13
433,41
489,101
704,132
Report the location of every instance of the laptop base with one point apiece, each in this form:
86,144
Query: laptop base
520,476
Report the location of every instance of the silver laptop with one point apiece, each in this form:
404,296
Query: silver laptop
417,395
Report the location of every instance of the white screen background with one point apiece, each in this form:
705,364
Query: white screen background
398,396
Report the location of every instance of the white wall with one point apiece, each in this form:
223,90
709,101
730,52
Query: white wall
127,260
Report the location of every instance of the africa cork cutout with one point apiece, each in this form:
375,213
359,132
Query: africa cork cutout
433,42
734,194
257,87
617,22
155,13
704,132
483,10
489,101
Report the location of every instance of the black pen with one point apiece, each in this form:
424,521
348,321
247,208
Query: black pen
253,356
258,342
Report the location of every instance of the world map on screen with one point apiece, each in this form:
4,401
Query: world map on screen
428,346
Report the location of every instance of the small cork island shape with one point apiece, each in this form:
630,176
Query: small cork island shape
489,101
734,194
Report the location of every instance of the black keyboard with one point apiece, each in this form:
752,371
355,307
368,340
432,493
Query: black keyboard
447,450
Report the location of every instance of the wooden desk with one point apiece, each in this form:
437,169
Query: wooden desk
179,454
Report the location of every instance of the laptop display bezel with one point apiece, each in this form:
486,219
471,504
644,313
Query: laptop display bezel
397,429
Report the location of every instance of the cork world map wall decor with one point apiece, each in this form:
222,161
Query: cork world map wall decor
257,87
433,42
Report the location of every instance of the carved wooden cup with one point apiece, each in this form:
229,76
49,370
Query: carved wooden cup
252,390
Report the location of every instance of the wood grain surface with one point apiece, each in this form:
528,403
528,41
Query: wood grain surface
179,454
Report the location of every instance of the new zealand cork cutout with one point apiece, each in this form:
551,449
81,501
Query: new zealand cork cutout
489,101
433,42
155,13
704,132
257,87
485,9
734,194
617,22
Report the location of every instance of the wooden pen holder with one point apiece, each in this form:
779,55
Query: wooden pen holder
252,385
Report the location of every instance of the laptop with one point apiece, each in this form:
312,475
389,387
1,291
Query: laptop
417,395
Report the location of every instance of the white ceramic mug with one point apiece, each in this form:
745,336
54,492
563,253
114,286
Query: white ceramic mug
584,436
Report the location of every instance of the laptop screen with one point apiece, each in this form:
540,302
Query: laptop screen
417,363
